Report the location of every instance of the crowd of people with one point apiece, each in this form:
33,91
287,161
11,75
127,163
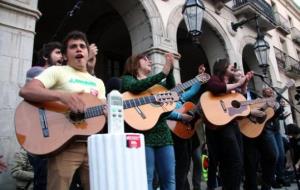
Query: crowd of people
66,70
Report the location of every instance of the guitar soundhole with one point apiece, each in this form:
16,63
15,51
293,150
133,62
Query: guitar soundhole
235,104
260,120
77,117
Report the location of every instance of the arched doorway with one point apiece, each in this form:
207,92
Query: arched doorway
192,55
250,63
99,20
214,43
210,48
119,28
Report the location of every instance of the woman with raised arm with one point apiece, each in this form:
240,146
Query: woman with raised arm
160,156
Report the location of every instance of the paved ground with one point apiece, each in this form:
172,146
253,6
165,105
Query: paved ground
292,187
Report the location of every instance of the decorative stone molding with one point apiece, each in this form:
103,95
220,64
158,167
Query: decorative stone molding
246,41
21,9
176,17
18,17
218,5
143,21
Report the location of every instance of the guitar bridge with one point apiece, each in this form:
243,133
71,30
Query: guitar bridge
43,122
223,105
140,112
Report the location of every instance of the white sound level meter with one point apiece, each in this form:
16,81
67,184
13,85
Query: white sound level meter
115,112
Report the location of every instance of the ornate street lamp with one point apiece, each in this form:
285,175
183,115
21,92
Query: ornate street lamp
261,46
261,49
193,11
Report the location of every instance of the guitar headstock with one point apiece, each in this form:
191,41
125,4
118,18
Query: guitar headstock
203,77
166,97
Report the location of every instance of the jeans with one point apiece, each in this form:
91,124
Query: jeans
162,160
280,156
265,147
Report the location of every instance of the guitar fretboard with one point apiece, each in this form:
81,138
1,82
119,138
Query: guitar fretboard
257,101
202,78
138,101
94,111
98,110
181,87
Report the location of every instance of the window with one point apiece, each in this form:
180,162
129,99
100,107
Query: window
283,45
298,54
290,21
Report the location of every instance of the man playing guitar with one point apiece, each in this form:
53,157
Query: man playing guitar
270,151
65,84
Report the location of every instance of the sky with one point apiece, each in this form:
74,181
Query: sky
297,2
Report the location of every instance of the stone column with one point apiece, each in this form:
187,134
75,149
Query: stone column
17,30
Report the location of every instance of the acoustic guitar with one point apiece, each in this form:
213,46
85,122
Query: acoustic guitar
222,109
252,127
144,117
182,129
45,128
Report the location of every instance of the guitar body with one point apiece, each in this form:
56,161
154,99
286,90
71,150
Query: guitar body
179,128
61,130
144,117
220,110
251,128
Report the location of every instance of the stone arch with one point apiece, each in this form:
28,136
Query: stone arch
175,19
247,40
250,63
225,47
143,22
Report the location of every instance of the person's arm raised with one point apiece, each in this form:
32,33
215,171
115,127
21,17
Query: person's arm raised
169,63
233,86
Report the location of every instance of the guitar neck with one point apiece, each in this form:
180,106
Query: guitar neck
257,101
98,110
181,87
94,111
139,101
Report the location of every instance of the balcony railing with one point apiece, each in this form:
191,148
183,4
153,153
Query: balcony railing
295,35
282,23
280,57
259,7
293,66
287,64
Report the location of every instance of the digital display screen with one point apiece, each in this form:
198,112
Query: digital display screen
116,101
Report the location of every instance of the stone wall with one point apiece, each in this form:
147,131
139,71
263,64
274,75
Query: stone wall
17,26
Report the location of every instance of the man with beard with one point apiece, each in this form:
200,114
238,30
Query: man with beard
49,55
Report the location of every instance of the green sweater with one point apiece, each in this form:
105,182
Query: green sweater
159,135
